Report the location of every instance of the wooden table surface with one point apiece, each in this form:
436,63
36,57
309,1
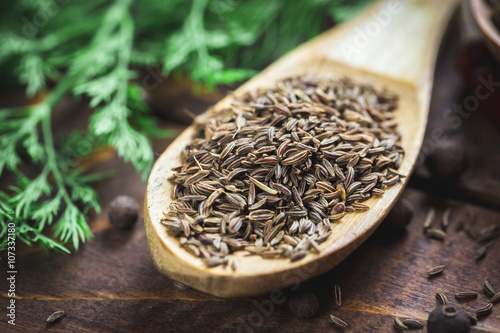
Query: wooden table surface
111,284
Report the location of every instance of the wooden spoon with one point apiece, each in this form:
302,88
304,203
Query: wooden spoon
392,45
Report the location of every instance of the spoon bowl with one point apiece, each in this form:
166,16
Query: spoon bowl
392,45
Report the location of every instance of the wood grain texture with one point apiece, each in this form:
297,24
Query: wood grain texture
410,77
111,284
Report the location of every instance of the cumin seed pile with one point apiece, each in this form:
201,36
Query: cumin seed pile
270,174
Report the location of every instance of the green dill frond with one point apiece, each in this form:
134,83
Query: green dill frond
95,49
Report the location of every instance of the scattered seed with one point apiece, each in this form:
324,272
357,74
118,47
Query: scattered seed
484,310
488,234
413,323
338,322
481,253
446,219
181,286
429,218
466,295
399,323
488,289
56,315
436,270
337,295
495,298
441,298
471,233
436,233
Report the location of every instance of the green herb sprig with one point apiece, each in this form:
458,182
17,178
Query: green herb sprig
94,49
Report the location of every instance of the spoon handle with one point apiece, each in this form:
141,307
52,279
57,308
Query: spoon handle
399,39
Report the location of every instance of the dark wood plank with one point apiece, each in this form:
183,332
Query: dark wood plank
480,139
111,285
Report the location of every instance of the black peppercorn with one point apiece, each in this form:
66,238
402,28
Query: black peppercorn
123,212
401,214
448,319
303,305
448,161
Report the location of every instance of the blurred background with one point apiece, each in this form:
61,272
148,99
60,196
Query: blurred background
91,92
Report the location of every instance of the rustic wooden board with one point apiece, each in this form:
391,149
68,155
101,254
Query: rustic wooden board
111,284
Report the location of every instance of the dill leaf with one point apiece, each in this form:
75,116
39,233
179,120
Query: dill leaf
95,49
